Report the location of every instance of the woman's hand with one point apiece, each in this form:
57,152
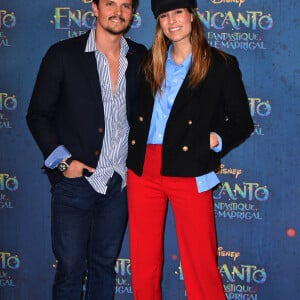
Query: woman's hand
214,142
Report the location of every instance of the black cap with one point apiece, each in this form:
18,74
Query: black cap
160,6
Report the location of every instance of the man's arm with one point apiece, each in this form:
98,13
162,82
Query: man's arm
45,102
42,113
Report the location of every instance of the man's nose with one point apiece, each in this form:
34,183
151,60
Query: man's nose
118,10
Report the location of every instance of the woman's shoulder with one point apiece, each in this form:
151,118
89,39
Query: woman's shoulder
222,58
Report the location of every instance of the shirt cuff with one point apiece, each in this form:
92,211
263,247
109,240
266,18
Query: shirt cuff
57,156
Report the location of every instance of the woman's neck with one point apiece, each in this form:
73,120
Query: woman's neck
180,52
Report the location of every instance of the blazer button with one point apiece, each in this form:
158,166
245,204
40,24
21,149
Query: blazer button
185,148
100,130
190,122
133,142
141,119
96,153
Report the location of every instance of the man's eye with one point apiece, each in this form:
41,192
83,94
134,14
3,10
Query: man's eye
127,6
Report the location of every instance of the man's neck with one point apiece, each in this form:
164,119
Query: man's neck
106,42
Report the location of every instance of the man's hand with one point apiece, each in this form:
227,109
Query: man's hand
76,169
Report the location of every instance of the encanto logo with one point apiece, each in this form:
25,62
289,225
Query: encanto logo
236,30
7,184
239,281
123,271
9,263
251,20
238,200
8,104
259,109
5,202
235,201
247,191
7,21
136,22
78,21
242,281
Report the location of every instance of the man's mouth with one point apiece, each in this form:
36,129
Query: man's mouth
117,19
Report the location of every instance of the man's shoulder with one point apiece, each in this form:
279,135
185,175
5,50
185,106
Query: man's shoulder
71,44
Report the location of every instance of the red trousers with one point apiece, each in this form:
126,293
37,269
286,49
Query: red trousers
195,229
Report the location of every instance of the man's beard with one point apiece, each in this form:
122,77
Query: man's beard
115,31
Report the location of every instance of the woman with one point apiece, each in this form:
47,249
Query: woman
193,109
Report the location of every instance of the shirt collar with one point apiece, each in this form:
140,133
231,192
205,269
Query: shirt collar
186,63
91,44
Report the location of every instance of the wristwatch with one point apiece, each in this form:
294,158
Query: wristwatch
64,165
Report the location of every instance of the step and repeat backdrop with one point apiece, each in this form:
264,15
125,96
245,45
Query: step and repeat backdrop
256,206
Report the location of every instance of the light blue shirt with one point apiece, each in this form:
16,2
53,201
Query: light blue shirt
60,153
175,75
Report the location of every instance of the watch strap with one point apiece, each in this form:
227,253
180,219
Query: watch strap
69,160
64,165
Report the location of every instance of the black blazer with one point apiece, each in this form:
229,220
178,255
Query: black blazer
66,106
218,104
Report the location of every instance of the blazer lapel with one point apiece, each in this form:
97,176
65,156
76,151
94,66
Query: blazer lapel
90,72
131,101
184,94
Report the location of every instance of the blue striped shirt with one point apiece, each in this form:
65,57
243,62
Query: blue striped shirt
115,144
175,75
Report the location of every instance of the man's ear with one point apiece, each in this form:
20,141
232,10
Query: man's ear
95,9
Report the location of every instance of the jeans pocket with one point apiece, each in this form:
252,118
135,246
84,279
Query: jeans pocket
68,186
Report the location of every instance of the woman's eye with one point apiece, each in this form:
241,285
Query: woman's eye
162,16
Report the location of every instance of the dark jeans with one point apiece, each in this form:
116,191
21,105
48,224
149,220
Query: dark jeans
87,232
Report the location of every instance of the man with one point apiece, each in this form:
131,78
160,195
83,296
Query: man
82,105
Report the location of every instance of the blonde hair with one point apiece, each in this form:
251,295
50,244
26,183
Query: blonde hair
155,61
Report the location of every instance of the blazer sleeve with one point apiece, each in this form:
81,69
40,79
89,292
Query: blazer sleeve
44,101
237,123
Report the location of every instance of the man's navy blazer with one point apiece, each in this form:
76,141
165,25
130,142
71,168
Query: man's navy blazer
66,106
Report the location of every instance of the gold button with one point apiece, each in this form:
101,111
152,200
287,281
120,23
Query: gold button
133,142
100,129
185,148
141,119
96,152
190,122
